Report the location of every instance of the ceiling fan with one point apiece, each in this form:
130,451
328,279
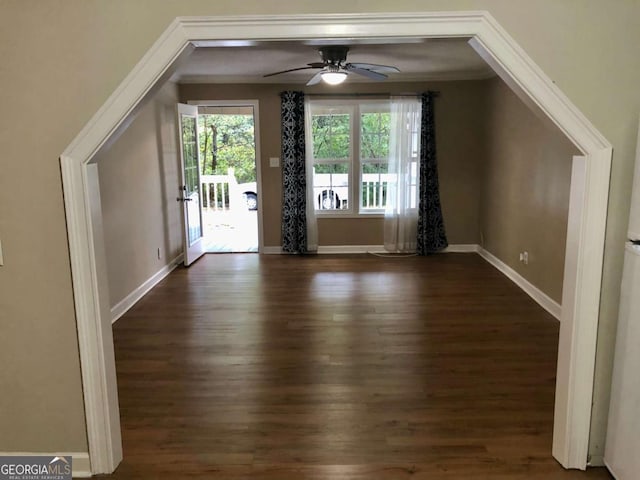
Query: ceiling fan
334,67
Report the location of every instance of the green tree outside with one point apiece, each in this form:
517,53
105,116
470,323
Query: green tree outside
331,140
227,141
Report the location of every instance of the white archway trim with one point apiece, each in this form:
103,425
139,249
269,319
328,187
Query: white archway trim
583,268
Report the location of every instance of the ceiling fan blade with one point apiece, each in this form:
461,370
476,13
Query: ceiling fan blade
374,67
368,73
287,71
315,79
317,64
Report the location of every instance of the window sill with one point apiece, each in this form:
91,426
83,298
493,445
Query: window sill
349,215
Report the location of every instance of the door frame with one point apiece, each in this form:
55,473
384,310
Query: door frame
587,217
256,134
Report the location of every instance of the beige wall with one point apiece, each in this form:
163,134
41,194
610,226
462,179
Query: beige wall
61,59
525,189
459,108
138,189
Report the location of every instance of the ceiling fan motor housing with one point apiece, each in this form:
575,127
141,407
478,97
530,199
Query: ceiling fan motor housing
334,54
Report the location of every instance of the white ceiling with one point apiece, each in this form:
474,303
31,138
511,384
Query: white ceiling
417,59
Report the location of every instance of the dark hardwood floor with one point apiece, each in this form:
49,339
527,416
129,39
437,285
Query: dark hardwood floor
338,367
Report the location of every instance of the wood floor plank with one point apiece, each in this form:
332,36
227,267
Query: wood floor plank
338,367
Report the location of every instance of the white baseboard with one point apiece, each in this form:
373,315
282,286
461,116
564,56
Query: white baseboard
339,249
346,249
81,464
130,300
462,248
332,249
546,302
611,470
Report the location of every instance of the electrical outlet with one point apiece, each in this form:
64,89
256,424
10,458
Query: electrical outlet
524,257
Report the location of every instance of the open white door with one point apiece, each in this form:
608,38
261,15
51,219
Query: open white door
190,187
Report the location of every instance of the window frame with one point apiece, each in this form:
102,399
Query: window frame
319,107
365,107
354,108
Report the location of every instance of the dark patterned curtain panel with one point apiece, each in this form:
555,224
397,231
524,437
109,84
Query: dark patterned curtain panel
294,204
431,235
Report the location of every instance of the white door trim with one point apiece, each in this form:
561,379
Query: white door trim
256,134
579,321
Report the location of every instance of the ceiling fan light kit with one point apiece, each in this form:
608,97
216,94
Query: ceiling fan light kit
334,78
334,68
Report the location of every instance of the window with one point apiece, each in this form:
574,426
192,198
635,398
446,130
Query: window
331,128
374,156
350,156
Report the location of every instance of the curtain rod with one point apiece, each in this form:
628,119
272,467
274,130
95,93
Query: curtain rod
375,94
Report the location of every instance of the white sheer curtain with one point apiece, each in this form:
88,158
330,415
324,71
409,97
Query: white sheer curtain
401,213
312,223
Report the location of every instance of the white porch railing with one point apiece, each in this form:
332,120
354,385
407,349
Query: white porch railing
219,191
374,193
373,190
